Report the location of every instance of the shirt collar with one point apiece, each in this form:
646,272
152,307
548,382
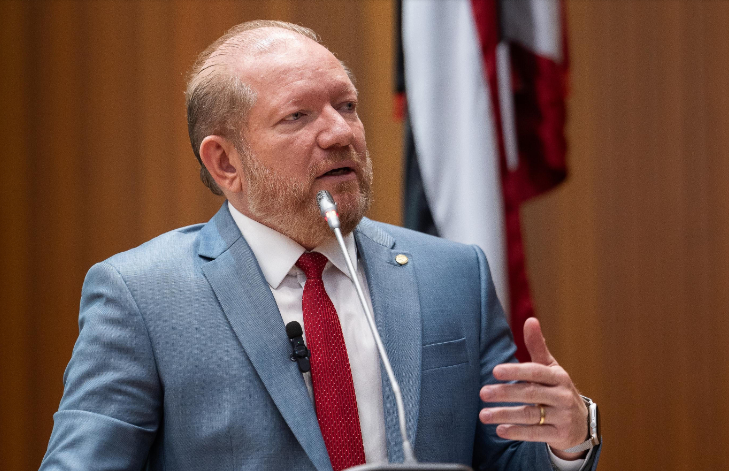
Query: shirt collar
277,254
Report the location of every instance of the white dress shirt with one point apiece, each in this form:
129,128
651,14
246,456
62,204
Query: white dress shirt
277,255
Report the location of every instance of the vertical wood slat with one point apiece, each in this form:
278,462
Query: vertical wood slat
194,25
385,138
111,127
157,118
15,183
56,144
716,15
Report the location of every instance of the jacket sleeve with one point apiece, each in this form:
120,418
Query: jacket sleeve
111,405
496,347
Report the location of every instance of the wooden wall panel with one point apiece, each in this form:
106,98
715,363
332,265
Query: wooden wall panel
97,158
629,260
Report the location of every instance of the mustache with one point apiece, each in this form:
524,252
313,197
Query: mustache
337,156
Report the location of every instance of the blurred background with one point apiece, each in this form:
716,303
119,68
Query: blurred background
628,259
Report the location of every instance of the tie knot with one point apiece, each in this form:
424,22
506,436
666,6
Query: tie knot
312,264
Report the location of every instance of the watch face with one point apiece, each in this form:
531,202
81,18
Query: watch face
594,424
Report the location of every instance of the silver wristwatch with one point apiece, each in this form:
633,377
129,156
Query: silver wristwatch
593,428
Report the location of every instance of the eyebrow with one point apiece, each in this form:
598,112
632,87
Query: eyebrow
346,87
342,88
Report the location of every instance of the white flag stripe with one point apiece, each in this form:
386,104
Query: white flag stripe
451,116
536,25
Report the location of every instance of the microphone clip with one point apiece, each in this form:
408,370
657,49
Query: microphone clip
300,353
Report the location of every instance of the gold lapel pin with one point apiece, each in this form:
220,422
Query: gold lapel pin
401,259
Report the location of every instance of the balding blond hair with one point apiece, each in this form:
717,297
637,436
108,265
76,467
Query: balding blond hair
217,99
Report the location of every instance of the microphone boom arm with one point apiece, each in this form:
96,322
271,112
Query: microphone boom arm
329,211
406,446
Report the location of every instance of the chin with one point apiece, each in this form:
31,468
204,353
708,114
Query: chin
349,192
351,208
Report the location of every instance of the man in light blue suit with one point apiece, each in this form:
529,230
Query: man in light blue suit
183,361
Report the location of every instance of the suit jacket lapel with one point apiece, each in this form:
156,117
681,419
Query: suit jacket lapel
247,301
396,305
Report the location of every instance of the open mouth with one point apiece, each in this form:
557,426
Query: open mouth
338,171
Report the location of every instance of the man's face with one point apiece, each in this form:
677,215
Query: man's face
303,135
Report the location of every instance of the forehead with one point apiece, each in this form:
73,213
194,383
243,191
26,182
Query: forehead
283,60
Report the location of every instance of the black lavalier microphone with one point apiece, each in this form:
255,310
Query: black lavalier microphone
301,353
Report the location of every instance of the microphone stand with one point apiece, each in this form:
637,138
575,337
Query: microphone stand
328,209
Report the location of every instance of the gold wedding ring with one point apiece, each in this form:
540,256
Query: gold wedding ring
541,415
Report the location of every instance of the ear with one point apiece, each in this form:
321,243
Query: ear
223,162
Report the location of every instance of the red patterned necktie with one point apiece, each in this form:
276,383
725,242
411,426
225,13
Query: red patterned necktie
331,376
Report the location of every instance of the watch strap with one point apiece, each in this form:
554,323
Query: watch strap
586,445
592,440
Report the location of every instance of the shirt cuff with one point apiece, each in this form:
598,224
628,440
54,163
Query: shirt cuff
563,465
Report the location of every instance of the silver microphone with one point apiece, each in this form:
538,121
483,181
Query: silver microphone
328,209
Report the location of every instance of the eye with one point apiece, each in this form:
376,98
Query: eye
294,116
349,106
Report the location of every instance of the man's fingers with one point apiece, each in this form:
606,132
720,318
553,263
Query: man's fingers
525,415
527,433
546,433
541,385
532,372
529,393
535,344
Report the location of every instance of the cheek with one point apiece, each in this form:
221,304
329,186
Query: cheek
292,163
284,156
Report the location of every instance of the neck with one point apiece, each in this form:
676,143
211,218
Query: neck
309,232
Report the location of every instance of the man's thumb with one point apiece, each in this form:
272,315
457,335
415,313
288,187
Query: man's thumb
535,344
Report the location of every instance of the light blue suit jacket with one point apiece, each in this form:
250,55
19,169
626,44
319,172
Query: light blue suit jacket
182,360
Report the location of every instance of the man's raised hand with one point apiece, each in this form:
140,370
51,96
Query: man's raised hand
548,396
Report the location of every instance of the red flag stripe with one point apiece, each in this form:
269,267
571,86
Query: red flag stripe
539,87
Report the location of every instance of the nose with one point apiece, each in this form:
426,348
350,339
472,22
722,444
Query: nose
335,131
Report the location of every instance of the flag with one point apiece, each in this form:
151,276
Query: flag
482,88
